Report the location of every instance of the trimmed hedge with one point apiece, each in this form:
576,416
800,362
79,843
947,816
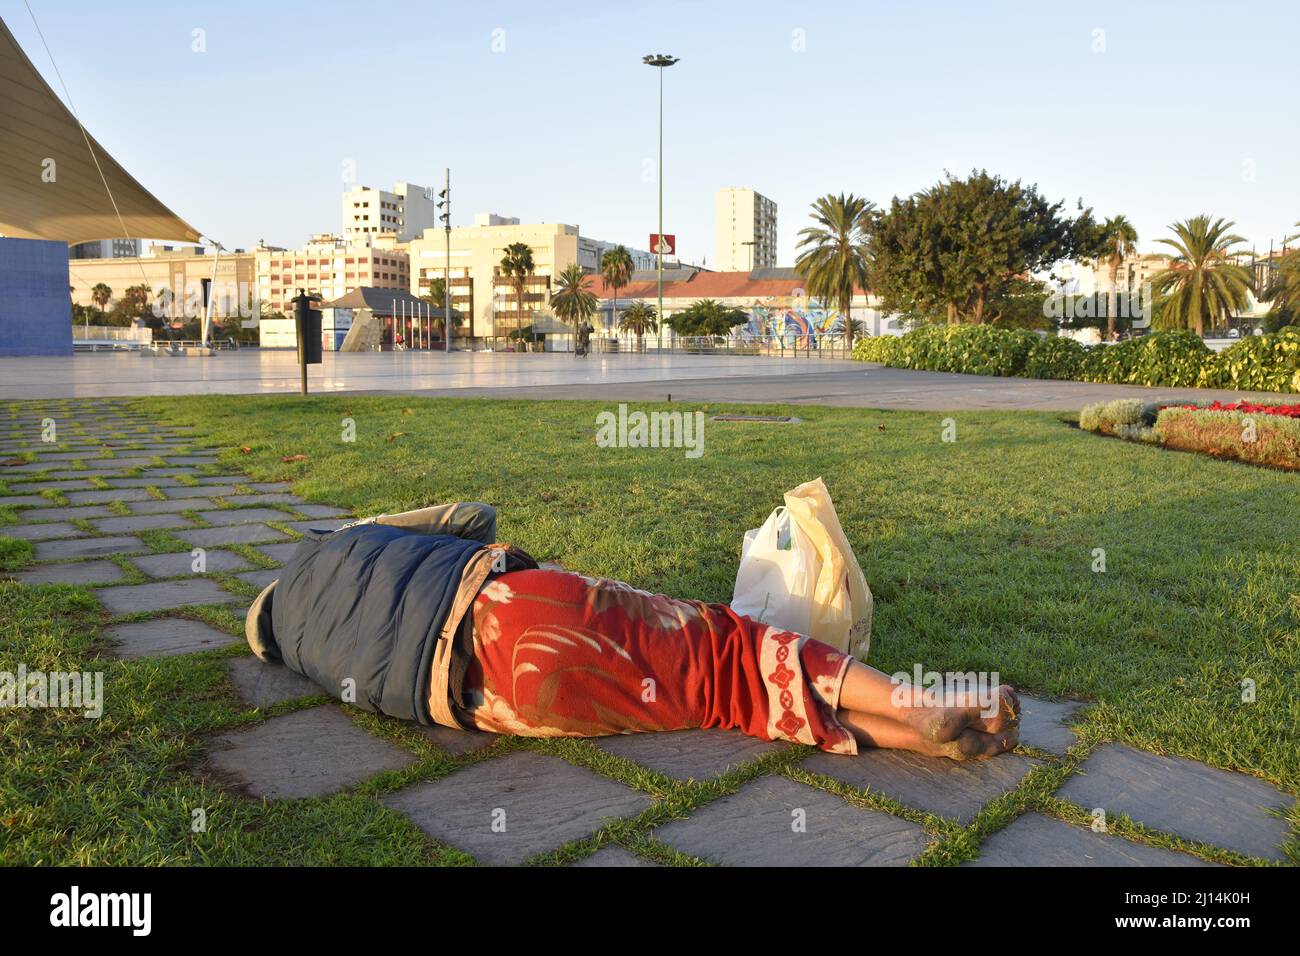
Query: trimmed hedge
1266,363
1109,417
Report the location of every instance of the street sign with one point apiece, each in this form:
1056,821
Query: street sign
669,247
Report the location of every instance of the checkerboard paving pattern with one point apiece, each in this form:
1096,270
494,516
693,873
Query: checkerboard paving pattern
112,479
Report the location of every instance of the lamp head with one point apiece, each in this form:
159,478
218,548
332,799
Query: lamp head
658,59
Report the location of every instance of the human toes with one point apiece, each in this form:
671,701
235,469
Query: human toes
973,745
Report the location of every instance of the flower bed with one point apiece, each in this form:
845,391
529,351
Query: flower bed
1242,431
1250,408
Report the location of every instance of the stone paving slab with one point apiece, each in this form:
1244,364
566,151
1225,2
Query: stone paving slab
546,802
1036,840
73,513
199,491
1043,723
261,684
107,496
87,548
104,473
232,534
1183,797
948,788
221,480
59,486
134,598
688,754
142,482
190,460
268,486
258,499
260,578
774,821
457,742
182,562
305,754
166,637
229,516
41,532
613,856
25,501
133,523
280,552
321,511
170,506
80,572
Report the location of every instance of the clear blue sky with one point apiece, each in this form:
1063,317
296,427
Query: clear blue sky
1189,109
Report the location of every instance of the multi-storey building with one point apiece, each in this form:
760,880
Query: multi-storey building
486,299
329,267
744,231
405,212
185,272
105,249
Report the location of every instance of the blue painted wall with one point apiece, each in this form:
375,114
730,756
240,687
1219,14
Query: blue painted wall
35,314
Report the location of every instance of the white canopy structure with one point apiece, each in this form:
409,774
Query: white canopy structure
56,181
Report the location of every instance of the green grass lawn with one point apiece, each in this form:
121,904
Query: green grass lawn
980,554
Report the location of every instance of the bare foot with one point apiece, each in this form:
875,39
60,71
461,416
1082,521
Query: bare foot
958,732
943,724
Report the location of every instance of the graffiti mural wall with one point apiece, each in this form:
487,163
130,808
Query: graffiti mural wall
792,323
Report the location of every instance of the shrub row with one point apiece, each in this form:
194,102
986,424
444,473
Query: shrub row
1265,363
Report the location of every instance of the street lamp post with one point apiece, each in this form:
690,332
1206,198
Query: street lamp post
445,205
661,61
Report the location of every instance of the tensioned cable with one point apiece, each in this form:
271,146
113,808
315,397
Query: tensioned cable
86,136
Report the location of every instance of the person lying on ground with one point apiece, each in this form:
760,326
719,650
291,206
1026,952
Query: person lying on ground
424,616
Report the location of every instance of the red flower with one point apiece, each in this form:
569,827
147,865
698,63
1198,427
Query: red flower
1249,408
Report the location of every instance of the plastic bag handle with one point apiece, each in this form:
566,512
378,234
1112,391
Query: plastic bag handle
784,512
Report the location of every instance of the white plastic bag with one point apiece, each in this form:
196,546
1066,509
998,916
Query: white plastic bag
798,572
778,575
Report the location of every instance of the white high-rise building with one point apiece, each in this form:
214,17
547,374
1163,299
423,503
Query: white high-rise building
406,212
744,231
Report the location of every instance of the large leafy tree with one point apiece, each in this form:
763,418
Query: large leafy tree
956,248
572,301
1118,242
616,268
833,257
517,265
1203,282
707,317
638,319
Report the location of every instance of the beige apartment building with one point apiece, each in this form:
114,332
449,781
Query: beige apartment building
186,272
744,236
405,212
329,267
485,298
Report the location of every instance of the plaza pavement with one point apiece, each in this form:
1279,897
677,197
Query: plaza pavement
165,479
623,377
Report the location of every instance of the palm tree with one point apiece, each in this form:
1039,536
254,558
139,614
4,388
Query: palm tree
639,318
1284,288
616,268
517,265
833,262
1119,242
100,295
572,301
1203,282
